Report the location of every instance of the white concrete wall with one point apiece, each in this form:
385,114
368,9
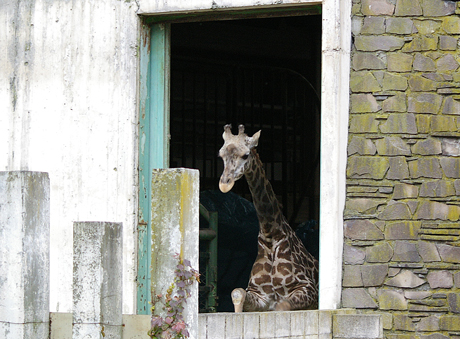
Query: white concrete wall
68,82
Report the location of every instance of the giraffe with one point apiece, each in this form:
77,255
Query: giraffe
284,275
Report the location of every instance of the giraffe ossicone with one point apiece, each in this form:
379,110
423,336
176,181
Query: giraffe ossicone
284,275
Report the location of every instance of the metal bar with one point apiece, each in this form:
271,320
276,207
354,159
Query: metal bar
212,263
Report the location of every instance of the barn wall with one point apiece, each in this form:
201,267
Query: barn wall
68,92
401,253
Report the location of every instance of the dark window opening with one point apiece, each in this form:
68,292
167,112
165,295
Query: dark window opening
265,74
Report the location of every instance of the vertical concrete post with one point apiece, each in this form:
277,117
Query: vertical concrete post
175,229
97,280
24,255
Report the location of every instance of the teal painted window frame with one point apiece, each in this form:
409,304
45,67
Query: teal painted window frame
153,140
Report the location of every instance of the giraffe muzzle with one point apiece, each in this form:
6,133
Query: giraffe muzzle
225,187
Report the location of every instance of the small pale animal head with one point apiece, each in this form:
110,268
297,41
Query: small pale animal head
236,154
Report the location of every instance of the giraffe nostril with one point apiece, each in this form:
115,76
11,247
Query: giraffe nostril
228,180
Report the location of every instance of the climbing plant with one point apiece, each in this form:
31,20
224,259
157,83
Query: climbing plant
172,325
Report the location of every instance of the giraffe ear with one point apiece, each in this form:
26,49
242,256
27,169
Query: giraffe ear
254,140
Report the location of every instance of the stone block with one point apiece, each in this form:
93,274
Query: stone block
374,275
394,82
398,168
451,105
429,146
446,63
364,103
408,8
437,189
395,103
443,124
361,229
352,276
425,168
353,255
363,123
399,62
404,191
437,7
363,81
428,251
373,25
457,280
403,322
423,123
377,7
379,253
395,211
392,300
448,253
405,279
451,25
421,43
367,167
357,206
392,146
440,279
354,326
428,324
361,145
402,230
449,323
357,298
374,43
423,63
426,27
454,302
24,254
416,295
399,123
418,83
450,146
451,167
402,336
400,26
424,103
405,251
448,43
434,336
362,61
433,210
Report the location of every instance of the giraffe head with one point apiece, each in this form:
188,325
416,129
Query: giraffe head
236,154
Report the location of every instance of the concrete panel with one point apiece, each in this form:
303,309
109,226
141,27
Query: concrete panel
61,325
251,325
175,228
153,6
234,328
215,327
24,254
97,291
69,109
136,326
357,326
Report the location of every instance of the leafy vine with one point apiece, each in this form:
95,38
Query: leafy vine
173,326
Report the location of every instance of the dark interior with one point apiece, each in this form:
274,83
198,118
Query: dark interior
265,74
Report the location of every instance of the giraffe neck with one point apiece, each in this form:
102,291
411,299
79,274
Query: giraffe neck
267,206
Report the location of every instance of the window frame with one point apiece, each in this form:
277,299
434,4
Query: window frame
154,74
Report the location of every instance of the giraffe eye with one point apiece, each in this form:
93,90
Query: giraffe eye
245,156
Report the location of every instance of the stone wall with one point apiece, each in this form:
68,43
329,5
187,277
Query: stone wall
402,214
